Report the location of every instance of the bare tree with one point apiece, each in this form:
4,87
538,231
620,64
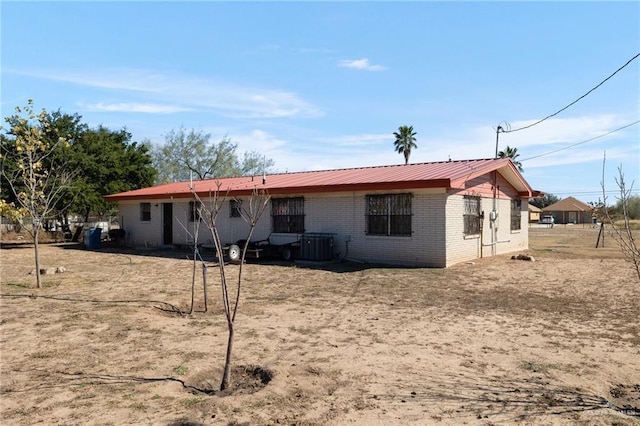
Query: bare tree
193,232
251,213
194,217
31,170
622,234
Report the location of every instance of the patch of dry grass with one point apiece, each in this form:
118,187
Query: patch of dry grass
496,341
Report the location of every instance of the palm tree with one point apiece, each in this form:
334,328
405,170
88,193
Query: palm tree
511,153
405,141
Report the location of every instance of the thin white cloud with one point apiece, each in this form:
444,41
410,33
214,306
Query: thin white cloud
133,107
114,79
365,139
319,153
360,64
259,140
193,92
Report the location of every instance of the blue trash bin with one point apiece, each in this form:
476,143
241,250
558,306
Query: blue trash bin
93,240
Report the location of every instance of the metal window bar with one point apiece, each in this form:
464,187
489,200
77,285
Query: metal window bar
288,215
194,211
235,207
471,215
516,215
389,214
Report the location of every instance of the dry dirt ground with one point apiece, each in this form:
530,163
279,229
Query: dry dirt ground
496,341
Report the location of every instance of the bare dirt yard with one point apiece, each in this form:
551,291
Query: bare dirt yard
496,341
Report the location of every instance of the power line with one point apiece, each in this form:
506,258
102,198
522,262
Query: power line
594,192
572,103
580,143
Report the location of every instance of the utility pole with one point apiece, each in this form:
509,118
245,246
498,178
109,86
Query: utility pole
498,130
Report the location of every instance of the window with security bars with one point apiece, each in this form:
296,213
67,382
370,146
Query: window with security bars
194,211
516,214
389,214
145,212
234,208
471,215
287,215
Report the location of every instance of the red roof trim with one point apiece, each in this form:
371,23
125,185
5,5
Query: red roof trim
386,186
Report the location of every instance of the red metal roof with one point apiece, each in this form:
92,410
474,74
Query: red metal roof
449,174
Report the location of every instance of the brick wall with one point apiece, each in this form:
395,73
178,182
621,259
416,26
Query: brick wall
437,238
496,238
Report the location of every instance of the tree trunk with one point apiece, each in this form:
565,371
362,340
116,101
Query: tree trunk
193,282
204,286
37,254
226,375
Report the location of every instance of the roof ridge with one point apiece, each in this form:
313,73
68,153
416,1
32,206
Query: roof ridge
384,166
473,160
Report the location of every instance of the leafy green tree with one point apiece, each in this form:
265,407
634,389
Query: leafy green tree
58,125
107,162
630,205
71,128
192,154
104,162
12,213
544,201
254,163
511,153
405,141
31,171
7,195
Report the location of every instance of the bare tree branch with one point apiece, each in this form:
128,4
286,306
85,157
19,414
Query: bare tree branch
623,234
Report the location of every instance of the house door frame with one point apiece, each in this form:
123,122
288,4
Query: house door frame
167,223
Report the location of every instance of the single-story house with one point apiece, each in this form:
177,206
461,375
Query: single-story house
429,214
534,213
569,210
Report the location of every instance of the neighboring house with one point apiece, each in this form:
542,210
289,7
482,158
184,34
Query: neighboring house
534,213
569,210
429,214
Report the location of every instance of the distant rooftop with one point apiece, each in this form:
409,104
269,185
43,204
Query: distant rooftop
568,204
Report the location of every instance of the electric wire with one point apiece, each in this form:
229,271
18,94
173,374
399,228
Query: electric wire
594,192
502,130
580,143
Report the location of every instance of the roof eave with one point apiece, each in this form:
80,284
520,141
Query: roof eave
312,189
511,173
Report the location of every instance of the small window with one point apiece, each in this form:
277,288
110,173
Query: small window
389,214
516,214
235,207
194,211
471,215
287,215
145,212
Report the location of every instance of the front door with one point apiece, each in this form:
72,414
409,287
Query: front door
167,223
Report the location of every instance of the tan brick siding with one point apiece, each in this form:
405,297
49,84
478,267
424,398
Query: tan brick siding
437,238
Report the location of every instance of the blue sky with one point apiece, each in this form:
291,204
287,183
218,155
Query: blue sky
323,85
